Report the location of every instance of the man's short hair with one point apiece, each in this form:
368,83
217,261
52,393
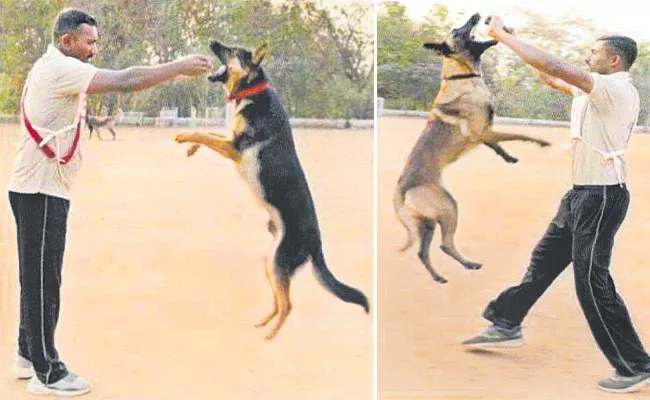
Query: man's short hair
622,46
69,20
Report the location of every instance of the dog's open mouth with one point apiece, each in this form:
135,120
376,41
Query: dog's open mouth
476,47
221,75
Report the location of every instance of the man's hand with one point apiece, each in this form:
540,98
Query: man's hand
195,65
496,27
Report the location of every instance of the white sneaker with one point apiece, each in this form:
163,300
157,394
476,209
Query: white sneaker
71,385
23,368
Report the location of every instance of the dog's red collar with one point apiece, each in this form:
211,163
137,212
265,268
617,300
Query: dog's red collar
249,92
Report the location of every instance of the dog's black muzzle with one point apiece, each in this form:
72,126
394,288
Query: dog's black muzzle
476,48
222,52
220,76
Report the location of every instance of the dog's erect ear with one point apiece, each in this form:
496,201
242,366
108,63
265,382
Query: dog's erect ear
479,47
259,53
441,48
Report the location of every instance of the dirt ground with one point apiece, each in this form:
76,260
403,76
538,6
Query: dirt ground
504,210
163,277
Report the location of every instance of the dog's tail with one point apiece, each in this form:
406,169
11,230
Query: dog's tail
333,285
398,202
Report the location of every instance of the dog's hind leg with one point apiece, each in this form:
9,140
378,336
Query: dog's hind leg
268,270
410,222
275,309
425,235
422,207
407,219
279,279
269,261
112,133
448,223
281,267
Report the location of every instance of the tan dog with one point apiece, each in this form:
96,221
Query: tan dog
460,119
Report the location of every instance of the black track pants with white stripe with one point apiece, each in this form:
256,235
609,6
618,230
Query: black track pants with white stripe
582,233
41,224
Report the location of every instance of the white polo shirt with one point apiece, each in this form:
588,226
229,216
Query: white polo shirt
602,121
53,89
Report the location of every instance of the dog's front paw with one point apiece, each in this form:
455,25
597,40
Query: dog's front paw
193,149
543,143
512,160
181,138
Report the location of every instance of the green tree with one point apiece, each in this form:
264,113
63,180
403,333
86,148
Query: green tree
26,32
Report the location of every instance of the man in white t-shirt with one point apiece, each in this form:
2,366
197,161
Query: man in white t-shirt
46,163
604,111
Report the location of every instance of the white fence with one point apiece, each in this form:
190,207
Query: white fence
130,118
170,118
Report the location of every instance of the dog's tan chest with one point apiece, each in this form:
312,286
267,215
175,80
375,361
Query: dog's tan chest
238,124
469,109
249,169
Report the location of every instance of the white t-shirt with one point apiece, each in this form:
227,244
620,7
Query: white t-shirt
603,119
53,89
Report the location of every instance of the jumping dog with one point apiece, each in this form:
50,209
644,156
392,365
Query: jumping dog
460,119
263,150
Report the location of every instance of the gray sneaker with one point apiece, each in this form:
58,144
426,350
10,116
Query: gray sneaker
624,384
494,337
71,385
22,368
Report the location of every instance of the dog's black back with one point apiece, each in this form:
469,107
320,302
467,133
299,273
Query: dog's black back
281,174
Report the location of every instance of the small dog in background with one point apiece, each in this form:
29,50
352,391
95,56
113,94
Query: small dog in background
94,123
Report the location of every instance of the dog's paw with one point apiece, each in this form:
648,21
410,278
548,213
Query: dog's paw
473,265
512,160
543,143
271,335
193,149
440,279
181,138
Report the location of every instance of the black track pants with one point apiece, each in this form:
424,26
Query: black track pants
582,233
41,223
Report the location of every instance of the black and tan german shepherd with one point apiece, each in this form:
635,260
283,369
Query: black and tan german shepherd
263,150
460,120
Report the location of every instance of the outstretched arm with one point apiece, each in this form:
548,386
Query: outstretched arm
555,83
540,59
139,78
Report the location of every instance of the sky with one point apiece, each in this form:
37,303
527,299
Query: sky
626,17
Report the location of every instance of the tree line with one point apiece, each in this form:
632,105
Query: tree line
320,60
408,76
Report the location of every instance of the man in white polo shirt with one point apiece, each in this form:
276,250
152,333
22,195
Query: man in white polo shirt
604,111
47,160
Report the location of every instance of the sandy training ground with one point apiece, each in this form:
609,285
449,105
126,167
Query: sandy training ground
163,277
504,210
